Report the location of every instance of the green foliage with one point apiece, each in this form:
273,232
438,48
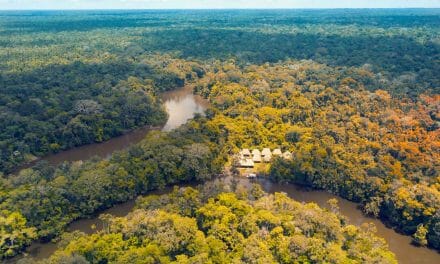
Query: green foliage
222,228
365,146
14,234
64,106
51,199
66,82
419,237
353,94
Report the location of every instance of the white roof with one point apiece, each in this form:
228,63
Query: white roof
277,152
266,152
287,155
257,158
246,152
247,163
256,152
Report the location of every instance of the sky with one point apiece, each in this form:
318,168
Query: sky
212,4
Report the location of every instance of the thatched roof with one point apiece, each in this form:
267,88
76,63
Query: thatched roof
245,152
277,152
287,155
266,152
246,163
257,158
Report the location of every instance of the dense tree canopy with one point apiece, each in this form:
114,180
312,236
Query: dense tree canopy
49,199
52,63
354,96
63,106
191,226
366,146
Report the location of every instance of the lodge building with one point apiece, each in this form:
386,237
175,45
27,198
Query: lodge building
247,159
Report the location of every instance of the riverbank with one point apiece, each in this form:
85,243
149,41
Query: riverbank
175,102
101,150
400,245
180,104
182,100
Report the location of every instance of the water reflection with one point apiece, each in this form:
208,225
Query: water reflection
181,106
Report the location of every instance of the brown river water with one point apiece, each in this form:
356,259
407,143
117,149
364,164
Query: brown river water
181,106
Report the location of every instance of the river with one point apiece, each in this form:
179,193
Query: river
399,244
182,105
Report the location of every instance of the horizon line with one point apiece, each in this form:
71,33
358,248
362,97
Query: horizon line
214,8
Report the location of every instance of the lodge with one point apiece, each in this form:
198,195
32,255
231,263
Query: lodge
266,154
248,159
256,156
287,155
277,152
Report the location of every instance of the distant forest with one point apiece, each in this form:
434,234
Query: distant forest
354,95
61,70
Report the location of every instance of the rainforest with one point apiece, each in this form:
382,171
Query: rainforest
353,96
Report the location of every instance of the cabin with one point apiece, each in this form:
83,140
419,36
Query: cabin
266,154
246,163
287,155
256,152
247,159
246,153
277,152
257,158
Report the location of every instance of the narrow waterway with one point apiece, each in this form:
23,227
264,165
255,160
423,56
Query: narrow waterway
181,106
406,253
